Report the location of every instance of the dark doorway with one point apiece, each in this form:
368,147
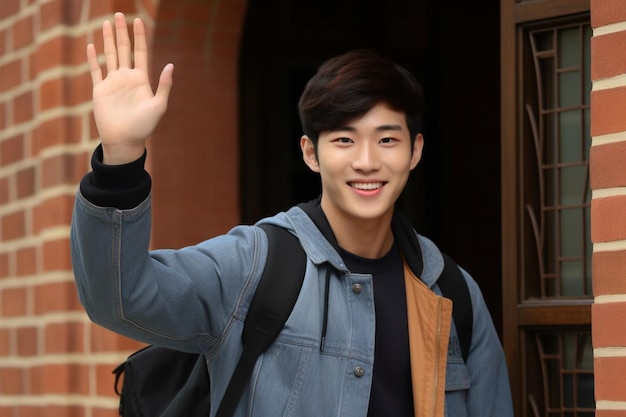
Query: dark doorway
453,197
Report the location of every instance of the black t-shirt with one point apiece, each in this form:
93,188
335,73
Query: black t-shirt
391,393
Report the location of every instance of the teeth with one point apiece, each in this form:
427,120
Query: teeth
367,185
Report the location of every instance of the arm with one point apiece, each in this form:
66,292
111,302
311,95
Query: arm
157,297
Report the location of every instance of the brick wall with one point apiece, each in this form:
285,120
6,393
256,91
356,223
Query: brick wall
53,361
608,207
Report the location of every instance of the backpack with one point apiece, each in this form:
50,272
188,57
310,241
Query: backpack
161,382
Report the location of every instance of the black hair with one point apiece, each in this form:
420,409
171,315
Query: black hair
349,85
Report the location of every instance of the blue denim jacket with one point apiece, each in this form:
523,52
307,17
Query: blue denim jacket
196,298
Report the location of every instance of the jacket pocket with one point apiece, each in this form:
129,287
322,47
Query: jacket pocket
457,377
457,386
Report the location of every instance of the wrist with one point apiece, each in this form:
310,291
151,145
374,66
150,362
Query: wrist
122,154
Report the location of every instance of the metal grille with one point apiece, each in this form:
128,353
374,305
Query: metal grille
559,124
566,375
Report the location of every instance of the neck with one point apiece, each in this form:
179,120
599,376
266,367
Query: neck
367,238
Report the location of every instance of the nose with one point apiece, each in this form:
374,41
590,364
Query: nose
366,157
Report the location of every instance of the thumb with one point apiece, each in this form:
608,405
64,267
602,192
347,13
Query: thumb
165,84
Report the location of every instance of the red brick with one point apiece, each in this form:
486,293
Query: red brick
606,164
65,411
50,54
9,8
23,108
57,131
609,327
103,340
3,113
25,182
608,222
29,411
10,75
58,12
26,261
27,338
13,302
103,412
607,108
56,297
607,60
60,379
11,150
52,93
609,272
23,33
102,10
104,381
3,37
80,89
64,338
62,169
93,129
56,255
609,413
5,342
11,380
4,265
54,211
13,226
4,190
610,378
50,14
97,39
605,12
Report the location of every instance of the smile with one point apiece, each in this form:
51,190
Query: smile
366,185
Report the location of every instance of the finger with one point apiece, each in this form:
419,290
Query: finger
123,41
141,46
94,65
110,51
165,86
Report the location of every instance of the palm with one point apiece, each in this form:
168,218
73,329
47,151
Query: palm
124,107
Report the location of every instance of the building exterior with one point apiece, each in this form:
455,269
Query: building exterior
548,77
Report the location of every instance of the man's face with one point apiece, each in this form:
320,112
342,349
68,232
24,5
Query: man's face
364,165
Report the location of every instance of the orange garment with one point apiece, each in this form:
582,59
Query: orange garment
429,320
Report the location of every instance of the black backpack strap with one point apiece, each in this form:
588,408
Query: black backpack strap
271,305
453,286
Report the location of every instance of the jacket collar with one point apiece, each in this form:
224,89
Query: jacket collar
309,223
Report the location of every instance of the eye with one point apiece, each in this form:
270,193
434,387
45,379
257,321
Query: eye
387,140
343,140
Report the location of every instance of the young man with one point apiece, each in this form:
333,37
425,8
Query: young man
367,336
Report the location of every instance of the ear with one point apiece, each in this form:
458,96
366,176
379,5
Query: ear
418,145
308,153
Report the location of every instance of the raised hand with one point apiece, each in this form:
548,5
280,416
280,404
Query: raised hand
125,109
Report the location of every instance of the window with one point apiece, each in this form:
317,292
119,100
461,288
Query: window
555,226
546,214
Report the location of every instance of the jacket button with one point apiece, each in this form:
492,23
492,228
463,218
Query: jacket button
357,288
359,371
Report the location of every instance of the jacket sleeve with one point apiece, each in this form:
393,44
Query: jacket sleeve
120,186
185,299
489,394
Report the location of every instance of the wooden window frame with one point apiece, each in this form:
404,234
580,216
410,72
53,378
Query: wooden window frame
521,319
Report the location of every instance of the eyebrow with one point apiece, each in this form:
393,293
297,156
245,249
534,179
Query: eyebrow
381,128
